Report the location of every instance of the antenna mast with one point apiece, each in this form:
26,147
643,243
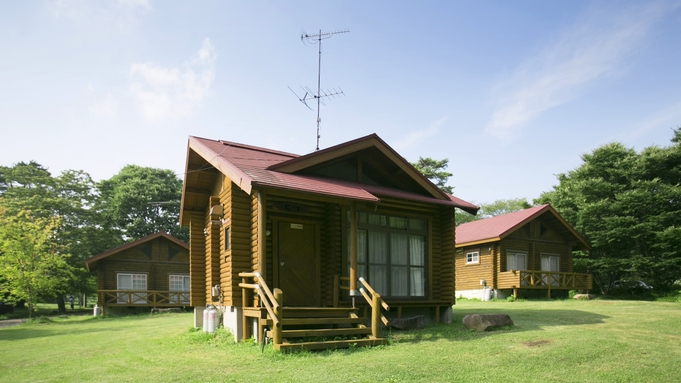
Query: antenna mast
309,94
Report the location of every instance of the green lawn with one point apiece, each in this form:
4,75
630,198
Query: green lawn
569,341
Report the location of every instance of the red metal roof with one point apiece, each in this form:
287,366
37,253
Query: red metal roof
495,228
250,165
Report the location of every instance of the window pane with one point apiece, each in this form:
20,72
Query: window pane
362,218
397,222
398,249
374,219
361,246
378,247
124,282
399,283
417,224
417,249
378,278
139,282
417,282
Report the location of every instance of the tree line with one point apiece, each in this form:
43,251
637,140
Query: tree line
627,205
49,224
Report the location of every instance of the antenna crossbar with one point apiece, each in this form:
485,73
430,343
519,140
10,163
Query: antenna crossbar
319,95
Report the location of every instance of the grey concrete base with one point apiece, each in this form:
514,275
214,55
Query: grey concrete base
198,316
231,320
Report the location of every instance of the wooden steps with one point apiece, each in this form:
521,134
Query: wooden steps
317,324
331,344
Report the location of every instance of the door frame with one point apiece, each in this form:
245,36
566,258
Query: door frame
317,252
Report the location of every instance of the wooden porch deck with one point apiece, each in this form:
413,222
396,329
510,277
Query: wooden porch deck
150,298
543,280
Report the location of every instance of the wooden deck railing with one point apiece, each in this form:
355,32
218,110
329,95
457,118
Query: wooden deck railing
142,298
271,301
532,279
372,298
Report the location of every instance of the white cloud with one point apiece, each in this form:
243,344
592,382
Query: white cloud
162,93
595,48
415,137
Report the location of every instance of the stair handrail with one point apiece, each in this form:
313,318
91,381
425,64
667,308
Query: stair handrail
266,297
375,302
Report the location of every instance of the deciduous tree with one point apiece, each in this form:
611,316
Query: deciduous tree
139,201
628,206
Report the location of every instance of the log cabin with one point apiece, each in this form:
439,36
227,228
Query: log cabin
525,253
328,244
150,272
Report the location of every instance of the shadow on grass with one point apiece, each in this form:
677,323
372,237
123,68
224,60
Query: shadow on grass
45,327
524,320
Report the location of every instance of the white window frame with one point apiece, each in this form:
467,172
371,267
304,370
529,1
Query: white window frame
473,257
183,296
135,298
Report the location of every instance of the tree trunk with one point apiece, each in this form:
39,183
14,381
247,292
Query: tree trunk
61,305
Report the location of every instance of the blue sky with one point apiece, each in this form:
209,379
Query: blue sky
512,92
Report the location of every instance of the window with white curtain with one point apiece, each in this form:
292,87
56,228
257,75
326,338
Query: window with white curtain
179,285
131,282
391,254
516,260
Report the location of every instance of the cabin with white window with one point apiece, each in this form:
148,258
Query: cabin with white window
525,253
150,272
329,244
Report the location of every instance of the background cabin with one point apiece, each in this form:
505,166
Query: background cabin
346,236
151,271
526,253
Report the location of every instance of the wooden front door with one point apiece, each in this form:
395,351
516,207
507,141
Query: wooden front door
297,263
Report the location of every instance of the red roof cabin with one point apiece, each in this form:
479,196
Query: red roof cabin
328,244
526,253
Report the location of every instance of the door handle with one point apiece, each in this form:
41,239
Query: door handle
281,263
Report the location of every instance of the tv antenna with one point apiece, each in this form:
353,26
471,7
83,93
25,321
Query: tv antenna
309,94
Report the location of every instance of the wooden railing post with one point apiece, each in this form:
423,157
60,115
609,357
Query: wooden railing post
336,290
245,333
279,313
375,314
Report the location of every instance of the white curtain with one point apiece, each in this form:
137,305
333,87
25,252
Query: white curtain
378,261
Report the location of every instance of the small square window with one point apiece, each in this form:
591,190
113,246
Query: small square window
472,257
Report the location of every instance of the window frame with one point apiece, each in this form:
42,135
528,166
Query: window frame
515,253
135,297
473,260
183,295
383,225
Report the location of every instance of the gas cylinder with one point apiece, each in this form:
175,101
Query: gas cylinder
210,319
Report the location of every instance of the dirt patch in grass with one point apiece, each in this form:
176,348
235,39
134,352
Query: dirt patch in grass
536,343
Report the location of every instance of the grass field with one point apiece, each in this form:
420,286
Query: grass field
552,341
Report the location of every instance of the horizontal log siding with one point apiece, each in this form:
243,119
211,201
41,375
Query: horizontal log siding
226,266
212,260
468,276
197,259
447,251
241,252
332,249
253,237
157,273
